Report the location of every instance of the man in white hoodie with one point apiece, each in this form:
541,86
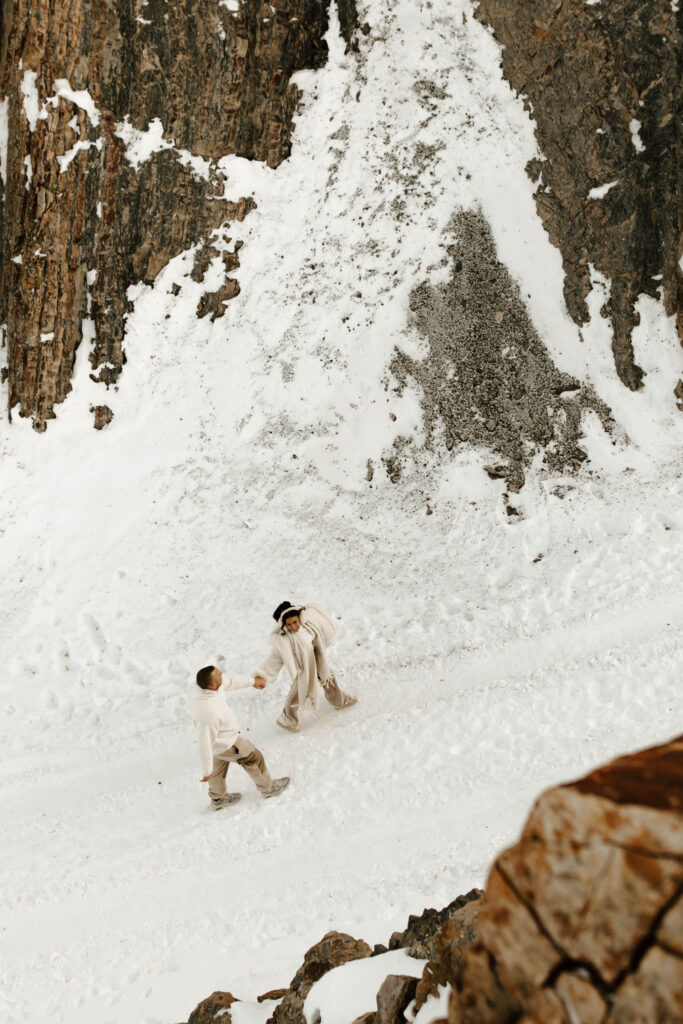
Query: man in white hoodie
220,742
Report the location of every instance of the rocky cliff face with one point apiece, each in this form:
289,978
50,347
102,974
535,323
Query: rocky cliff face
602,81
90,205
119,111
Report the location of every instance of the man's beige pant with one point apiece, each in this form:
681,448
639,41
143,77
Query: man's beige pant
334,695
249,757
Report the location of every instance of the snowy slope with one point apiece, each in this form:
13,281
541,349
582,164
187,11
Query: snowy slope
234,476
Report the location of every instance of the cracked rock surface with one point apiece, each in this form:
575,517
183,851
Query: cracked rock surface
582,918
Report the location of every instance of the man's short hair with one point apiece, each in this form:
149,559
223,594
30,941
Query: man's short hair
204,676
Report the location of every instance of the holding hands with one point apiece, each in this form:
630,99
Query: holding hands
259,682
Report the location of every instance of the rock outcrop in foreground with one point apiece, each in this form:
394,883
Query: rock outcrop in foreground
582,921
603,83
583,918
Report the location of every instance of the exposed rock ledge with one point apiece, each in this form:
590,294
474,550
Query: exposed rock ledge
602,81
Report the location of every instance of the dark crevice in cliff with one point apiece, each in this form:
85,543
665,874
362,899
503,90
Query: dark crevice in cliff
648,940
533,913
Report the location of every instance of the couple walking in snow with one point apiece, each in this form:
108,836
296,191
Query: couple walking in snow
299,643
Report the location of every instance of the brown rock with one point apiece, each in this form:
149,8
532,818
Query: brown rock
488,993
653,994
367,1018
86,223
103,416
581,998
584,912
396,992
479,994
334,949
417,937
446,948
275,993
504,913
214,1008
605,848
603,82
650,778
670,934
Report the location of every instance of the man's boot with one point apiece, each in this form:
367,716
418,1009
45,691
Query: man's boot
219,802
279,786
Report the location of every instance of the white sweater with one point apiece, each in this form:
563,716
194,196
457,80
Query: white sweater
215,722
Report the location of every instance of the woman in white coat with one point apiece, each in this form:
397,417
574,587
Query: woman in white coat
299,643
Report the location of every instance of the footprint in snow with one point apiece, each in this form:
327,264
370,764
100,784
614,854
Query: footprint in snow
94,633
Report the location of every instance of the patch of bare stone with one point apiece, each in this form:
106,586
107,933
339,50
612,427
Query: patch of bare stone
488,378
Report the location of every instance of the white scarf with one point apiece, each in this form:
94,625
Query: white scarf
302,646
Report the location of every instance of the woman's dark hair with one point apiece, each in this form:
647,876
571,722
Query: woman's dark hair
204,676
283,605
